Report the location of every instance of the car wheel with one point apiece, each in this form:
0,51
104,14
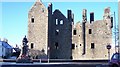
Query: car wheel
114,65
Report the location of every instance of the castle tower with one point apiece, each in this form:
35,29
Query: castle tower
38,27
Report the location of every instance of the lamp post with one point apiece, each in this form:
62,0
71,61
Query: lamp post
115,32
108,47
48,53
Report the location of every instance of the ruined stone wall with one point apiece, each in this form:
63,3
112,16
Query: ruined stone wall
65,40
77,41
101,36
60,47
38,27
98,35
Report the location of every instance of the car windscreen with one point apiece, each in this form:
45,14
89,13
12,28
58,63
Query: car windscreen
116,57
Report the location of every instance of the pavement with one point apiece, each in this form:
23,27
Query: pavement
55,63
64,64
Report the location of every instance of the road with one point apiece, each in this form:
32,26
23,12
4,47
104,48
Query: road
52,65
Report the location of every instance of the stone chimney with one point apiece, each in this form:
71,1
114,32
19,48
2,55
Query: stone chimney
106,13
69,15
73,17
84,15
91,17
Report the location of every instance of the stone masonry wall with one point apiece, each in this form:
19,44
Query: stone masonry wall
60,37
38,27
60,47
100,36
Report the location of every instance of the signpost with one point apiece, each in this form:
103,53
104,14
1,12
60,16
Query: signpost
108,47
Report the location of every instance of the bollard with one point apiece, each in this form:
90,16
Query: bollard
40,60
48,60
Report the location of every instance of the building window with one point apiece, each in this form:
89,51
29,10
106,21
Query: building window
42,9
92,46
76,46
90,31
43,50
74,32
61,22
56,21
56,45
80,44
73,46
32,45
56,32
106,23
32,20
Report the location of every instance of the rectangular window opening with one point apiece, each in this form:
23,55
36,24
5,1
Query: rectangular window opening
56,32
80,45
90,31
32,45
42,9
32,20
92,45
73,46
56,45
61,22
74,32
56,21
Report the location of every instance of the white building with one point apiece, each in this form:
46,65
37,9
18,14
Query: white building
5,49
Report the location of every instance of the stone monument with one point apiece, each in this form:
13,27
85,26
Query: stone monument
24,58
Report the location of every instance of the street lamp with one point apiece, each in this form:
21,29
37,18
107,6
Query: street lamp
48,49
108,47
48,52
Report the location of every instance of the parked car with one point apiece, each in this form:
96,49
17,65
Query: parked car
115,60
13,57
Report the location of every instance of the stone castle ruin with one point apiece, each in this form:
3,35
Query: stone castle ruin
58,37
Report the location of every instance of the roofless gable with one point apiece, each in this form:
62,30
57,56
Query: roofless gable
38,5
57,13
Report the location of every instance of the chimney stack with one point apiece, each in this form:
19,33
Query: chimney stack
69,15
106,13
50,8
72,17
91,17
84,15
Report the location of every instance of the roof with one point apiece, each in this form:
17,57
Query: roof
4,44
17,49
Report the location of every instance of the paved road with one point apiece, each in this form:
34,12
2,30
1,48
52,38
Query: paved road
52,65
